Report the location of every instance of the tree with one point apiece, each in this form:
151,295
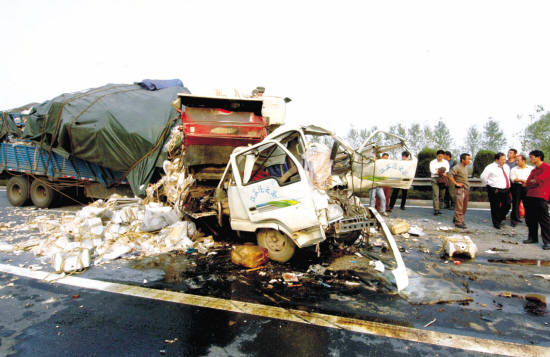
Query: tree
353,138
413,134
536,134
474,141
442,136
424,158
493,137
482,159
425,138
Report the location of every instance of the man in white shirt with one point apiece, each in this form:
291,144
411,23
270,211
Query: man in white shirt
438,188
518,176
496,177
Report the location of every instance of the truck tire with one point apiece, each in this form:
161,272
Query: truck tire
42,195
280,246
18,191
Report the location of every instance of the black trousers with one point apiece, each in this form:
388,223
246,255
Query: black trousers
518,194
500,204
395,193
536,213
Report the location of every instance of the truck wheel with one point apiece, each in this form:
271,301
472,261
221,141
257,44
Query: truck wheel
280,246
42,195
349,238
18,191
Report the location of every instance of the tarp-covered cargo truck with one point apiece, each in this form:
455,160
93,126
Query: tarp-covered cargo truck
103,140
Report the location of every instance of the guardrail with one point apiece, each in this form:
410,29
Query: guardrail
426,181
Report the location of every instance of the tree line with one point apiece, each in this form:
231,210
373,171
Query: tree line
534,134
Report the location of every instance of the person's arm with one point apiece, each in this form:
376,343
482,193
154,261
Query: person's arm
447,168
543,177
451,175
530,182
433,169
485,175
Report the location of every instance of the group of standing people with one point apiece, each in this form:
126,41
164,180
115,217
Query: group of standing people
509,181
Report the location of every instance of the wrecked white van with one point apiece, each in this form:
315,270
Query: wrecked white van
295,194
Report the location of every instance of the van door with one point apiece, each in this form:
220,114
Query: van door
369,172
273,187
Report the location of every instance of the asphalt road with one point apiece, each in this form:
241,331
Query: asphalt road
90,318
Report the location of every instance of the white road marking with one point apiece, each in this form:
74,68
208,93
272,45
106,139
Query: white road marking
329,321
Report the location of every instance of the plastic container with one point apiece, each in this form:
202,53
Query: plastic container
249,255
460,245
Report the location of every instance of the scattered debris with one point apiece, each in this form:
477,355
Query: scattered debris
317,269
509,242
290,277
398,226
378,265
430,323
544,276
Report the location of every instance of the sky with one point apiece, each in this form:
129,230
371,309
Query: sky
364,63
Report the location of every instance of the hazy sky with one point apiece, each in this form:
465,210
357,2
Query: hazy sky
361,62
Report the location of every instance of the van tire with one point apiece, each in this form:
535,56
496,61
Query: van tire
280,246
17,191
42,195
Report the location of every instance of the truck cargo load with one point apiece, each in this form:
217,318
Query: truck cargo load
118,126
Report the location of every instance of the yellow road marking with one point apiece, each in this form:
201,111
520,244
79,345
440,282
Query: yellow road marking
330,321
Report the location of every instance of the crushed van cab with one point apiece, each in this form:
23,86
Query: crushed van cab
294,194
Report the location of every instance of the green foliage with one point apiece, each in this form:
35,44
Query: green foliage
537,136
482,159
493,137
424,159
474,141
442,136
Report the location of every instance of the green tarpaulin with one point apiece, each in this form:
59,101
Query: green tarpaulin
119,126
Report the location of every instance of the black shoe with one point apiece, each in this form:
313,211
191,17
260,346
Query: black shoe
435,213
461,226
546,246
454,220
389,210
520,221
502,224
403,208
451,208
497,227
530,241
513,224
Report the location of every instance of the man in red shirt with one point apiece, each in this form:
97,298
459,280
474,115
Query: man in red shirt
536,202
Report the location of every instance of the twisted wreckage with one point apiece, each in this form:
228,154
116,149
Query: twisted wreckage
232,162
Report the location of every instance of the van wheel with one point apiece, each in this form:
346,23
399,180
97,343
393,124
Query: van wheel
42,195
280,246
18,191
